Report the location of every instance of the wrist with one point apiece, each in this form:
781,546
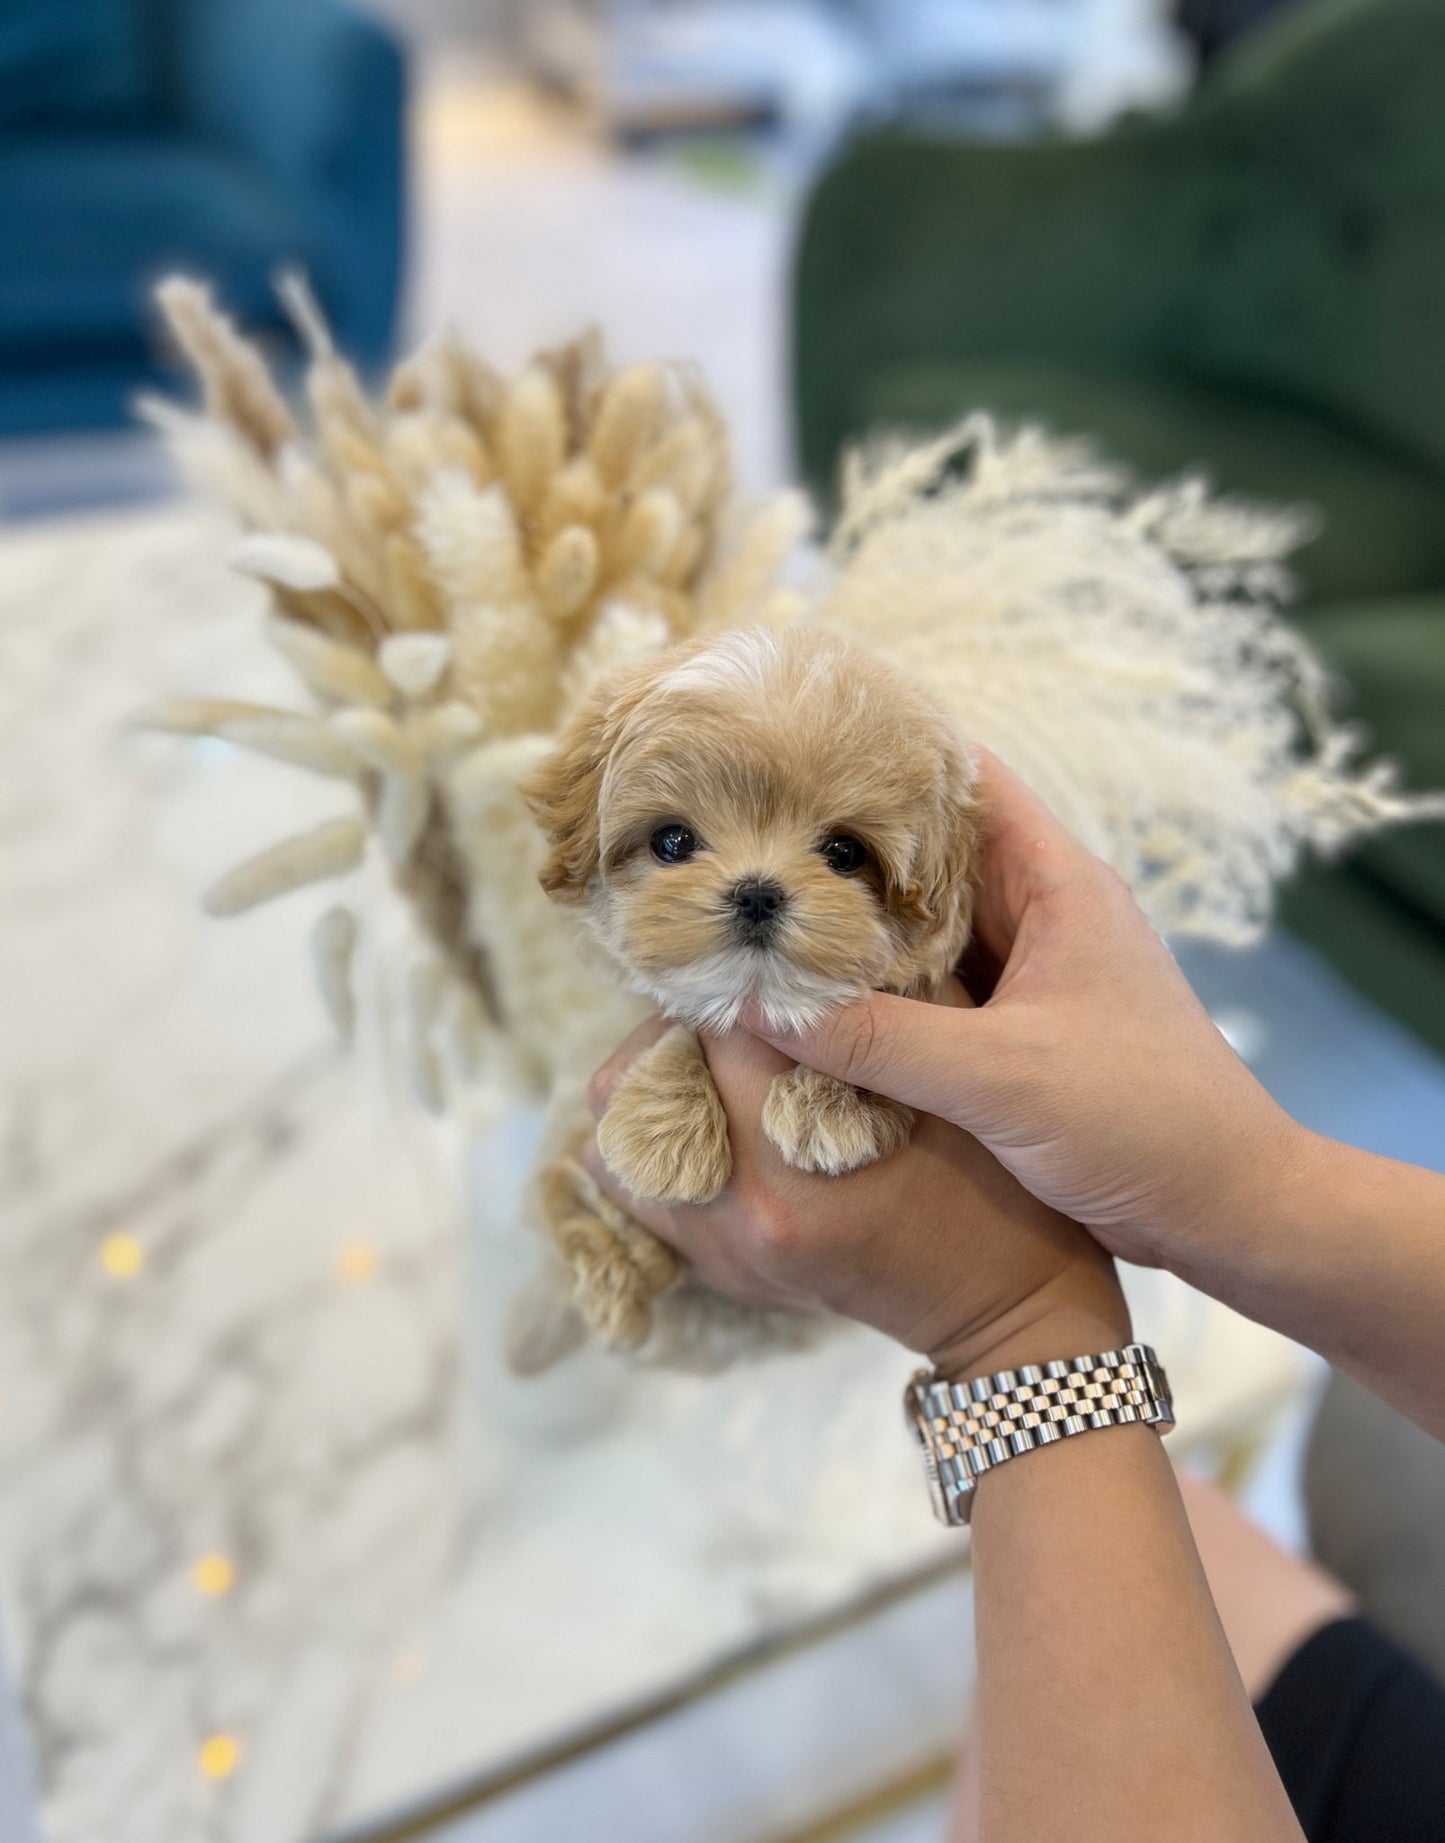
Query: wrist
1080,1311
1280,1175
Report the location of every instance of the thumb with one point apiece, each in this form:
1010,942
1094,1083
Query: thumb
932,1057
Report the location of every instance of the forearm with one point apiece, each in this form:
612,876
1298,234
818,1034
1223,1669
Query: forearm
1109,1705
1344,1252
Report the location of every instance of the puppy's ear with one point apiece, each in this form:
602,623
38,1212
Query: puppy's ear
563,792
935,899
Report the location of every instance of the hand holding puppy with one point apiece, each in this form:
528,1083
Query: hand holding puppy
937,1246
1092,1073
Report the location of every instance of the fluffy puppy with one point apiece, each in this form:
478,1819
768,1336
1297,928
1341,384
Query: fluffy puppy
771,816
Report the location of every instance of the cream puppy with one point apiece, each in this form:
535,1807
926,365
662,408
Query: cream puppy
769,816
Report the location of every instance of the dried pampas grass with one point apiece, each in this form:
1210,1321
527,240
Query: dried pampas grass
1125,652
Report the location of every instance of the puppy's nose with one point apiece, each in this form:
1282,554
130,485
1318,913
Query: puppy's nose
759,901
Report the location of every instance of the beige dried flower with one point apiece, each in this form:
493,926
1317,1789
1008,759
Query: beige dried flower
452,565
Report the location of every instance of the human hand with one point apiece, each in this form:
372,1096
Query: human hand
1092,1073
937,1245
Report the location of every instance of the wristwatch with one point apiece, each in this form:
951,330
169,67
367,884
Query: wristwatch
968,1428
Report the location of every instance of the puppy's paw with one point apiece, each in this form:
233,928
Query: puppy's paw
616,1270
665,1133
819,1123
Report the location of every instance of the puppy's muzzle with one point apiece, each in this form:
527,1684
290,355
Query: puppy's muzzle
758,905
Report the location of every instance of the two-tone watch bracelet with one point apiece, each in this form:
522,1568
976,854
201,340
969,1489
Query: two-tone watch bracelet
968,1428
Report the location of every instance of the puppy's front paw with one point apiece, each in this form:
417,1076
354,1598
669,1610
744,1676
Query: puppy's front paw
819,1123
665,1133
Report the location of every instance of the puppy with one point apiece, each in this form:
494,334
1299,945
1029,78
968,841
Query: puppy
771,817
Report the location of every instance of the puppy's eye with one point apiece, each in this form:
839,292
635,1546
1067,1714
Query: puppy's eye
674,844
844,854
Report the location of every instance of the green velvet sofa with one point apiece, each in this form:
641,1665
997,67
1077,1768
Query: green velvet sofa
1253,285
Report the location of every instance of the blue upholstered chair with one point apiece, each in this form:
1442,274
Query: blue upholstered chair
224,137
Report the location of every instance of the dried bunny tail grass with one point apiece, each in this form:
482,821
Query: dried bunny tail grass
457,444
580,370
435,881
330,850
620,634
236,383
220,463
345,421
471,542
412,602
690,555
567,572
402,812
418,444
376,504
330,512
647,537
507,655
338,674
531,437
333,948
507,665
379,740
286,560
444,374
692,454
426,981
575,496
715,481
740,580
339,614
630,410
303,310
444,731
411,384
439,375
416,663
462,1035
285,735
683,460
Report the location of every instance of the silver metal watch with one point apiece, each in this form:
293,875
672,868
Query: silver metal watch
968,1428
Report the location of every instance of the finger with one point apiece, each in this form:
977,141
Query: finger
743,1067
603,1084
925,1055
954,995
1026,853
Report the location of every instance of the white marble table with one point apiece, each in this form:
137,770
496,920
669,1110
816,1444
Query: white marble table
269,1572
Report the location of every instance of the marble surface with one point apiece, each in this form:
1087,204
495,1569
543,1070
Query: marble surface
279,1550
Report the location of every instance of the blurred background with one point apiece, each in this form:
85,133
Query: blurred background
1209,233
